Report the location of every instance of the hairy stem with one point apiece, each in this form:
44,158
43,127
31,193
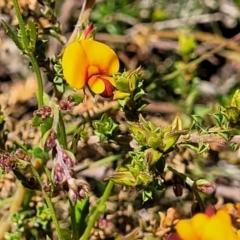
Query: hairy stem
29,52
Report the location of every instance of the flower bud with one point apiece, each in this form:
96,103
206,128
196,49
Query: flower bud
77,190
7,162
204,186
51,140
43,112
152,156
123,178
58,174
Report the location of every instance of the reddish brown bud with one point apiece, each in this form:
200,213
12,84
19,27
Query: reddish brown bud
43,112
58,174
178,190
77,190
51,140
7,161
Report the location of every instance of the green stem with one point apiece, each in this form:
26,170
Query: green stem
49,203
25,40
37,71
33,60
97,211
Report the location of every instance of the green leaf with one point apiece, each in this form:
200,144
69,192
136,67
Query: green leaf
224,135
79,213
123,102
233,146
39,153
146,194
77,98
67,234
36,120
59,84
138,94
122,84
197,122
203,147
12,35
46,125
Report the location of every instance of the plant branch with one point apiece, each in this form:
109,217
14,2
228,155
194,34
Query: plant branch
49,203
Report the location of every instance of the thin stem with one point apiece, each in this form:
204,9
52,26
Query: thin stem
37,71
25,40
33,60
97,211
49,203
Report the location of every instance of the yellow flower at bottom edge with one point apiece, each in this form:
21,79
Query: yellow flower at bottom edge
203,227
91,63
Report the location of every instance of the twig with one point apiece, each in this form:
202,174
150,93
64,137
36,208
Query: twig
186,21
83,17
209,138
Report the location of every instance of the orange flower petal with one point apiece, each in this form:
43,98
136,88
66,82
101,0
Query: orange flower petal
224,216
198,221
93,70
185,230
96,84
101,56
218,227
109,88
74,64
110,79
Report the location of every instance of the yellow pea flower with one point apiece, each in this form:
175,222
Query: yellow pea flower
204,227
91,63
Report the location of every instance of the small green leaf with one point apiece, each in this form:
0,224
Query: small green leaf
203,147
224,135
12,35
123,102
58,83
39,153
146,194
36,120
46,125
197,122
138,94
218,118
77,98
233,146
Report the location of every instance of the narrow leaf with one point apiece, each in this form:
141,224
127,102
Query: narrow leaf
12,35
